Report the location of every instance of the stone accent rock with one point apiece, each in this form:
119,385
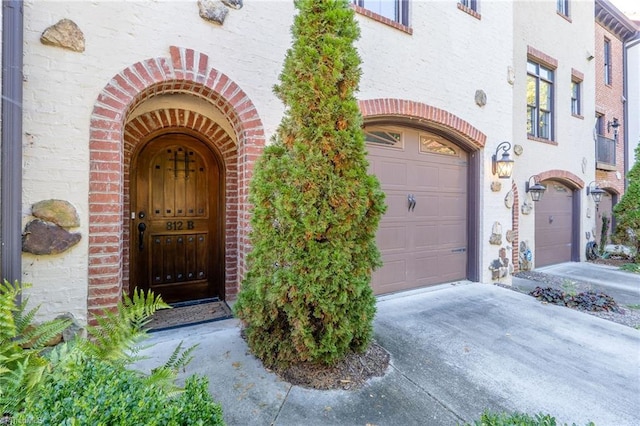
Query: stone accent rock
517,149
496,186
525,257
508,199
73,330
65,34
60,212
526,207
511,235
213,11
481,98
496,234
234,4
41,237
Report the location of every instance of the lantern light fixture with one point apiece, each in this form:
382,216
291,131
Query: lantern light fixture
503,167
536,190
596,192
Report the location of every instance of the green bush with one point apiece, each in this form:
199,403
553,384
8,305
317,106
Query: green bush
307,294
95,392
87,380
627,211
516,419
22,364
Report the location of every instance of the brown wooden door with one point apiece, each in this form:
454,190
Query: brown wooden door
177,248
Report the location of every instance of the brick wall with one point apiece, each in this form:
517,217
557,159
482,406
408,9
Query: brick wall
609,103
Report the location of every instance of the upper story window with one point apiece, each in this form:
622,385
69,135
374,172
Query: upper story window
600,124
539,101
576,88
395,10
563,7
607,61
471,4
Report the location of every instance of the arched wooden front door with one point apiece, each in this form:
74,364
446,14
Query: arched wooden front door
177,212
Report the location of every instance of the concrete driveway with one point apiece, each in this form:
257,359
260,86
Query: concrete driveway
456,350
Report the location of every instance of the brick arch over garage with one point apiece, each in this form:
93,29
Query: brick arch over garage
184,72
575,184
389,111
568,178
415,113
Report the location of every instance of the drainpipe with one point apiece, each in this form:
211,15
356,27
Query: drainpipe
625,51
11,161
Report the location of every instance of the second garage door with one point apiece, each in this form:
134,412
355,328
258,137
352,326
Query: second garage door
554,229
423,235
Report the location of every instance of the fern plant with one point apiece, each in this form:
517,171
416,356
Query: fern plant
22,364
114,342
118,334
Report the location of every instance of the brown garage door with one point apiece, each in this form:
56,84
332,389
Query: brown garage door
424,241
554,231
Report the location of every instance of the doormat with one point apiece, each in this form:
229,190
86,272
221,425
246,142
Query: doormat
190,313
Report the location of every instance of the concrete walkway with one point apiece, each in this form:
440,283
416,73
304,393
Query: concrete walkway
456,350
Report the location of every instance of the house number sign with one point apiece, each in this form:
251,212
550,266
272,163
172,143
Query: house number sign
180,225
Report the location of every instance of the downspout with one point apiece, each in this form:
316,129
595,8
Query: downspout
11,161
625,92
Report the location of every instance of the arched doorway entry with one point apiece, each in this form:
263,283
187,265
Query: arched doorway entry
124,115
177,219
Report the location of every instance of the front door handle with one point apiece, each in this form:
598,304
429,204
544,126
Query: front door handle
141,228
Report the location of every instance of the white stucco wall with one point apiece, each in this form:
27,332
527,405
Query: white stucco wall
61,88
448,57
538,25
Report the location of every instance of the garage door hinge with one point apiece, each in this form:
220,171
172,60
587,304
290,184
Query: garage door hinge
459,250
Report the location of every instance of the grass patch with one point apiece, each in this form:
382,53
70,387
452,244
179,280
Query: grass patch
634,306
517,419
631,267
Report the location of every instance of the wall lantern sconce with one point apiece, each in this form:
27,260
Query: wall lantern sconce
536,190
613,124
504,166
596,192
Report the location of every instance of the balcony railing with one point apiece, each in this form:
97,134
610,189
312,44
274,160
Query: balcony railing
605,153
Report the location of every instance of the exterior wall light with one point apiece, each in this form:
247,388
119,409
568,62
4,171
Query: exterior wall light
613,124
504,166
596,192
536,190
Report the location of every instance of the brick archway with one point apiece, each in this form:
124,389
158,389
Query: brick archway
185,72
473,138
568,178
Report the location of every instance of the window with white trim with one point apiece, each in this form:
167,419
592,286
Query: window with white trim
395,10
539,101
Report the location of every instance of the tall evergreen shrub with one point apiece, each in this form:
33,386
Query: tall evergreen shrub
307,295
627,211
